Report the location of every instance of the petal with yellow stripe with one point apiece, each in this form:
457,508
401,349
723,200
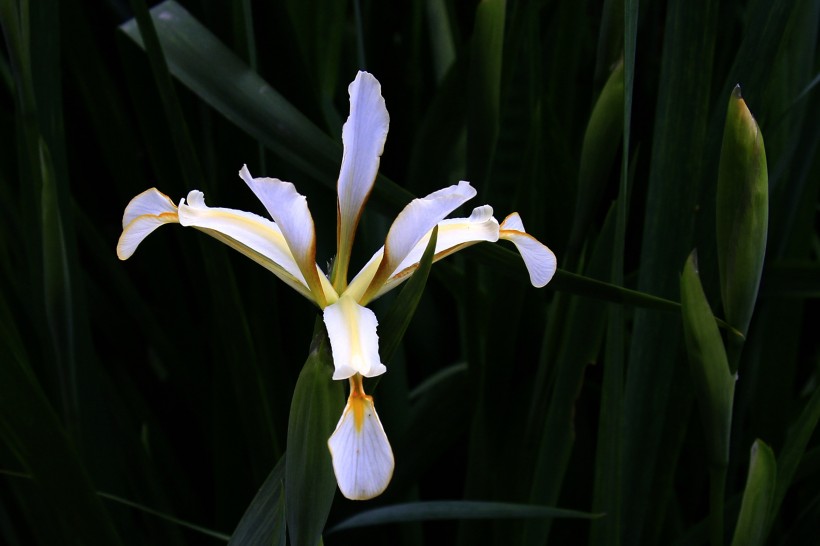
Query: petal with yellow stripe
353,339
362,458
252,235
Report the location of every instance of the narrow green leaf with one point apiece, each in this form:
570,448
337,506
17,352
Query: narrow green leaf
394,325
316,407
171,519
459,510
509,263
742,218
752,522
263,522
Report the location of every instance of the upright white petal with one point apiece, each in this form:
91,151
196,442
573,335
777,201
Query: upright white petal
363,136
417,219
353,339
145,213
290,212
255,236
453,235
362,458
540,260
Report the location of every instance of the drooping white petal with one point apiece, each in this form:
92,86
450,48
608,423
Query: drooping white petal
417,219
539,259
145,213
255,236
290,212
363,136
353,339
362,458
453,235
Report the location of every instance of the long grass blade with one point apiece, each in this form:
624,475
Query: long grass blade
461,510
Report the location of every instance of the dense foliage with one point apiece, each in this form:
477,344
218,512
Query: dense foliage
147,401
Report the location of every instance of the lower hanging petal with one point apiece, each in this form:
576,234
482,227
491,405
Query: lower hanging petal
539,259
353,339
362,457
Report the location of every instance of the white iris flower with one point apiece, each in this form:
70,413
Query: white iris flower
286,246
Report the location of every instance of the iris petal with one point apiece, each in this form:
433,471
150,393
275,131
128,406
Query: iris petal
145,213
362,458
539,259
453,235
417,219
290,212
353,339
363,136
252,235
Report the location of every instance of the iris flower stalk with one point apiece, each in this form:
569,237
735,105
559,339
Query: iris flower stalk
286,246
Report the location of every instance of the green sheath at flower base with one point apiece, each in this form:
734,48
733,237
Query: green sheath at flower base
714,384
742,218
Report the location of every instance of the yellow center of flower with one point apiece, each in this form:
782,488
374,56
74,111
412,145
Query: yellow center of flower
358,401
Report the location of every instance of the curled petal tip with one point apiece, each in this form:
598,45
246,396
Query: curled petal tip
145,213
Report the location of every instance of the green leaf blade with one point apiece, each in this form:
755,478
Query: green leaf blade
456,510
310,484
752,523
